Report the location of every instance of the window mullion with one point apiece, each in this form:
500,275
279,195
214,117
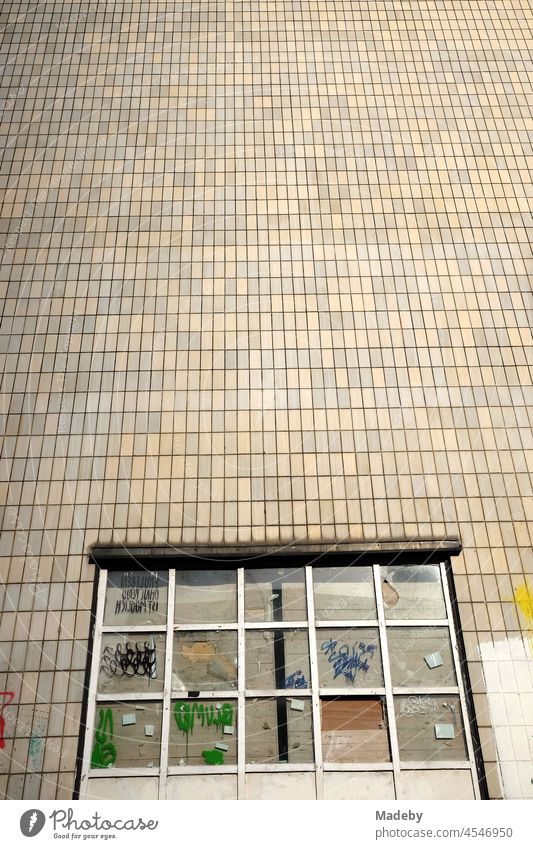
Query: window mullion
417,623
315,697
129,697
93,683
391,717
207,626
167,686
183,695
241,683
133,629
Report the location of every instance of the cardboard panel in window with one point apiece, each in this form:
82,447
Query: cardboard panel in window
354,730
204,660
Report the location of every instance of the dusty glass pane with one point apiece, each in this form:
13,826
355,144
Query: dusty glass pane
277,660
344,592
412,592
132,663
203,733
206,595
354,730
275,595
136,597
421,657
204,660
349,657
127,734
430,728
279,730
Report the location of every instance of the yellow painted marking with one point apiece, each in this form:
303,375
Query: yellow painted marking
524,599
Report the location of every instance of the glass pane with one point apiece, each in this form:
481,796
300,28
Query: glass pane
430,728
412,592
349,657
277,660
354,730
279,730
203,733
206,595
136,598
132,663
344,592
204,660
421,657
127,734
275,595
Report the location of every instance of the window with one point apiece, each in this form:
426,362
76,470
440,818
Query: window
285,668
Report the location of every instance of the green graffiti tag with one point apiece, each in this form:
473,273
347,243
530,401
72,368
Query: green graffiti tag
104,752
185,713
213,757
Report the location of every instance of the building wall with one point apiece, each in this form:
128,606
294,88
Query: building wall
265,269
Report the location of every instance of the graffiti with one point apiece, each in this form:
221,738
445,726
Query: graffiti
35,745
185,713
296,681
140,594
213,757
104,752
419,706
129,661
348,661
5,702
35,752
143,580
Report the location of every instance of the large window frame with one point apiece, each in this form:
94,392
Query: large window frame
315,693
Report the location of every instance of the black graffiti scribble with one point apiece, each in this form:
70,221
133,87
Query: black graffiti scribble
129,661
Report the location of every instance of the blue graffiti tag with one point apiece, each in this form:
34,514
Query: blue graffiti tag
347,661
296,681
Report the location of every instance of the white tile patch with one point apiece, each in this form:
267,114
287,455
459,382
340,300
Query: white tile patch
492,677
520,743
508,677
508,672
524,676
525,774
513,708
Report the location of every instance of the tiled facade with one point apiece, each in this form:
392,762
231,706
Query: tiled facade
265,270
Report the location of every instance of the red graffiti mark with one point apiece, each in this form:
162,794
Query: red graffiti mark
4,704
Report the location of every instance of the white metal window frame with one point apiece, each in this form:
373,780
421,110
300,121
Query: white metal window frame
314,693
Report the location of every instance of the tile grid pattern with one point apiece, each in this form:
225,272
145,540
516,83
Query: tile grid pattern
264,269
